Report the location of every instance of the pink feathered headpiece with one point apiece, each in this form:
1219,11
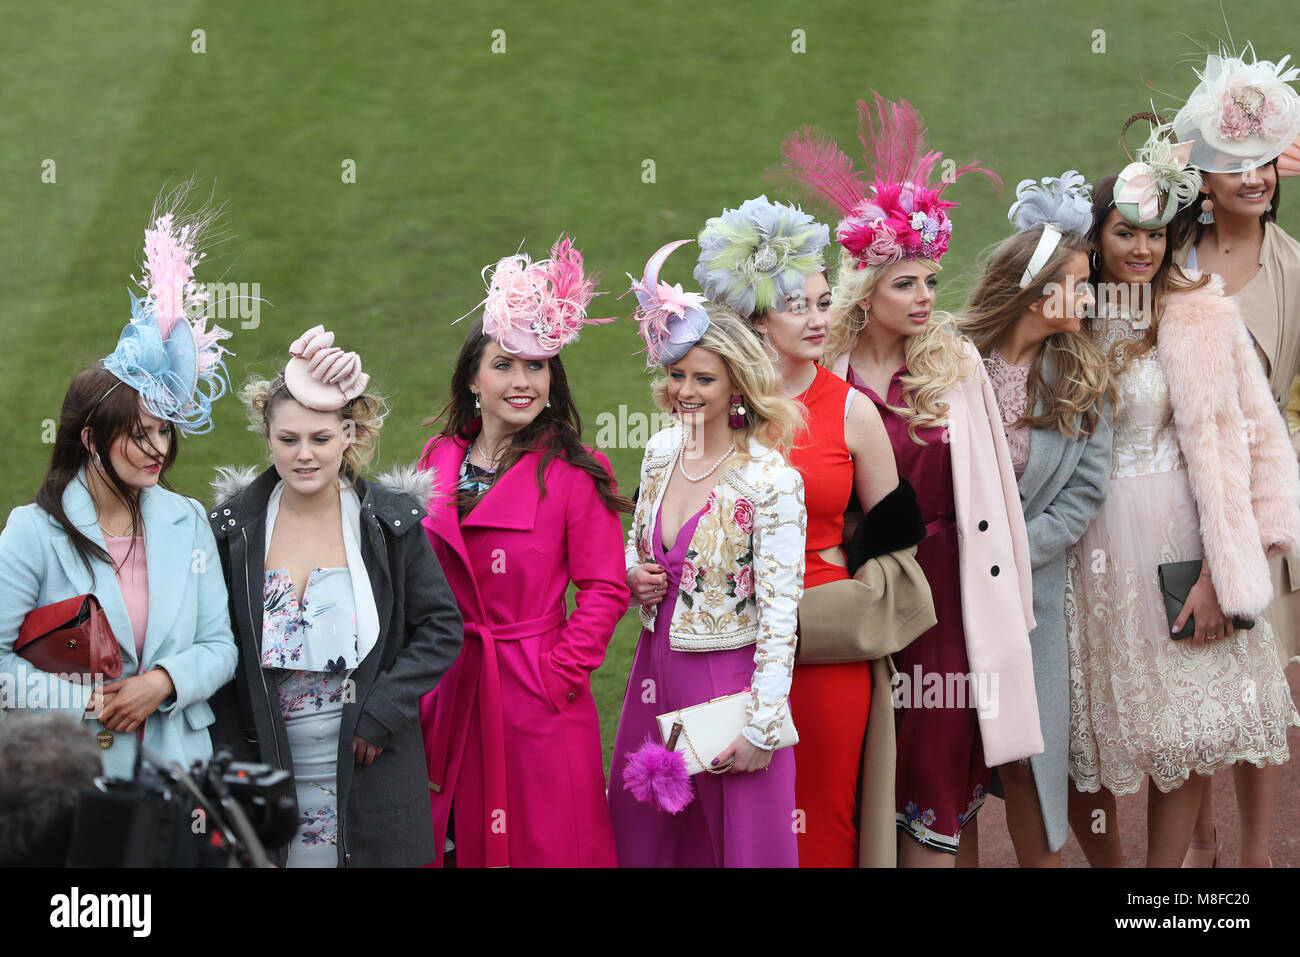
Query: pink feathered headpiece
890,211
533,309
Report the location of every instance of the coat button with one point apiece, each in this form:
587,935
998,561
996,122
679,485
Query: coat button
572,696
396,522
415,511
225,511
984,526
213,515
498,620
104,739
994,571
231,522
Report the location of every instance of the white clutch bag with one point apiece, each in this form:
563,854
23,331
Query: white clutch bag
703,731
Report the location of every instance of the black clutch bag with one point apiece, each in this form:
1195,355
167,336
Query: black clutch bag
1176,581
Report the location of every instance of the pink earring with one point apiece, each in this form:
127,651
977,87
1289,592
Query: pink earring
737,419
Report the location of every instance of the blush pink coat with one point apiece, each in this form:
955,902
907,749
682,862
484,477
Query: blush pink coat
511,733
997,595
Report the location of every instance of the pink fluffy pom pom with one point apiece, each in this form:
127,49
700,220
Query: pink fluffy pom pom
658,776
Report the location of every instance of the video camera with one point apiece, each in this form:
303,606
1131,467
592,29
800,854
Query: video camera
221,813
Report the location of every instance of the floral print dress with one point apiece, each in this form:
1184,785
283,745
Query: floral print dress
310,645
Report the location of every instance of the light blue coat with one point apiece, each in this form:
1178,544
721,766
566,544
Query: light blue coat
188,632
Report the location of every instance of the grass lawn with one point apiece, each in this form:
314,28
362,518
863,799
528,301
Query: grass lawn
461,152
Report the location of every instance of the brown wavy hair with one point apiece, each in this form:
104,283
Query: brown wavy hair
1169,278
1072,401
110,408
1185,225
557,430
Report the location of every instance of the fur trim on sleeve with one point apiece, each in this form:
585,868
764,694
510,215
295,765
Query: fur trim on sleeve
1196,350
894,523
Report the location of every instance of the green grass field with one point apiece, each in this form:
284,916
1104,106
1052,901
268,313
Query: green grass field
460,153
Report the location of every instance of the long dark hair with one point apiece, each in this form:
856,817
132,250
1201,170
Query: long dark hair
1168,278
557,430
1186,224
111,409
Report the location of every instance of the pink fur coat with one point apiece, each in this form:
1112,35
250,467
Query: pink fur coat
1240,462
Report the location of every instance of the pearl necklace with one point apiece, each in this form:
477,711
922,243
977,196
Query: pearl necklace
682,468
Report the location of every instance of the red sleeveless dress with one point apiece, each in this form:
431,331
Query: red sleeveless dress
829,703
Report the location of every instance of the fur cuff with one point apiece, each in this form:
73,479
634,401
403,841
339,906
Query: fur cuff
893,523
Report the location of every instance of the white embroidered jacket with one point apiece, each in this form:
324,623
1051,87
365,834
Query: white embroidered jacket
742,577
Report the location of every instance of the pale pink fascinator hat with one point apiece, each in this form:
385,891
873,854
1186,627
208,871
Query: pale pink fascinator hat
322,376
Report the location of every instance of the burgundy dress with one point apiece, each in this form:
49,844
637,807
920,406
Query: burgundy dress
941,777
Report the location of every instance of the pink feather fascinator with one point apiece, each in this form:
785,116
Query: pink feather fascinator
893,209
534,309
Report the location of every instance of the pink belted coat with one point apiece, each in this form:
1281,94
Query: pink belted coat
511,733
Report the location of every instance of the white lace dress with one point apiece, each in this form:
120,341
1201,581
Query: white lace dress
1140,702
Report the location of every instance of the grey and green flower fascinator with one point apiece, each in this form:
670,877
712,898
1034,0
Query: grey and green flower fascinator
756,257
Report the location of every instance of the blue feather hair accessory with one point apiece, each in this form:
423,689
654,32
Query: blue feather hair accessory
167,352
756,257
1064,201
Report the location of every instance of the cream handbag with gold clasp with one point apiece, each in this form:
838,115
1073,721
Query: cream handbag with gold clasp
703,731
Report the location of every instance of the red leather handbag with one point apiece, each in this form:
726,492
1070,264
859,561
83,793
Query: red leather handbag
71,637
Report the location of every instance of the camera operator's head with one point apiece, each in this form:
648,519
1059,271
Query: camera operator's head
46,758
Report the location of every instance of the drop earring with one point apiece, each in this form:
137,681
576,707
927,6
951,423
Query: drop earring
1207,212
1268,208
548,403
99,464
478,406
737,419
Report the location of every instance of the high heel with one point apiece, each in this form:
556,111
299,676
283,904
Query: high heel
1216,847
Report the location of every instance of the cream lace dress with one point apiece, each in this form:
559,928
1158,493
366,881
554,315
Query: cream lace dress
1141,703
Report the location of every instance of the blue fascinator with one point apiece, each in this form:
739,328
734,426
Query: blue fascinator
167,352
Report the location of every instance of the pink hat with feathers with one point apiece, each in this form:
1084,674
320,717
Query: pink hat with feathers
891,211
534,309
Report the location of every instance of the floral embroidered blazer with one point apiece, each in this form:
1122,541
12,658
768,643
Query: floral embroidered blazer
743,574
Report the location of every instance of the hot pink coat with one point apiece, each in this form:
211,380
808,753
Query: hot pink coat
511,733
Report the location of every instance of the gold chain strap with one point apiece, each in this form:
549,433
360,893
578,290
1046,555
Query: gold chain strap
695,754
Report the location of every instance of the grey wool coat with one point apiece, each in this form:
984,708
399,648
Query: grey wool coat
1062,489
385,818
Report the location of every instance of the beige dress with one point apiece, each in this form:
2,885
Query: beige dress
1270,306
1140,702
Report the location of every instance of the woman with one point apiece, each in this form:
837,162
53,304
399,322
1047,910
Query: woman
1233,233
1026,317
842,452
522,509
715,560
105,522
945,430
340,608
1184,486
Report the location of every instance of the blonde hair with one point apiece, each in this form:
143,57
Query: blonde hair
365,412
1072,402
770,418
935,357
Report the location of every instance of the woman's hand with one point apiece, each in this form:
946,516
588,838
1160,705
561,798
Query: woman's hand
1203,603
744,757
647,583
127,703
364,751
